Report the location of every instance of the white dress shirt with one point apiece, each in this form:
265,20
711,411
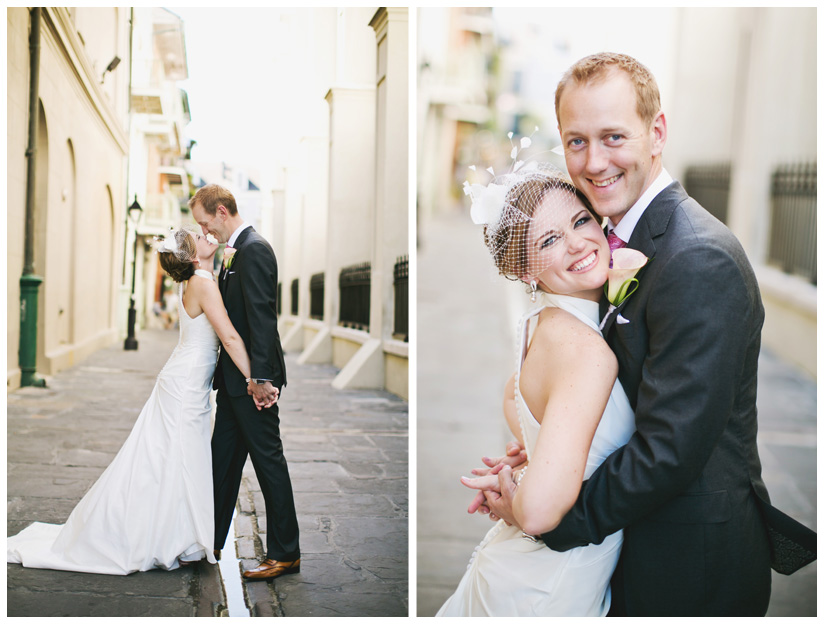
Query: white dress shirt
234,237
628,223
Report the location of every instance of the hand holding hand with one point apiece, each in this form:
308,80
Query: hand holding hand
265,395
500,500
515,456
486,483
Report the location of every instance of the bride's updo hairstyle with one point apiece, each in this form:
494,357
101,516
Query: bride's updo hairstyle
177,254
524,191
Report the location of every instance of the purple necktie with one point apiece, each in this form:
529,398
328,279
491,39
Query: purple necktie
614,243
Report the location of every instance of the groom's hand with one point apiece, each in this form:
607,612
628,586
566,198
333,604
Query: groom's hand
265,395
500,500
484,483
515,457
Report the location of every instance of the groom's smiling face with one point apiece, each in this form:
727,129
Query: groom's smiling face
211,224
612,155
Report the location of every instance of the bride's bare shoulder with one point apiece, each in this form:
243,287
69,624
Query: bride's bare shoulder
563,335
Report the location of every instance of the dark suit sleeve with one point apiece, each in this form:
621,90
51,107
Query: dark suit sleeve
259,280
700,318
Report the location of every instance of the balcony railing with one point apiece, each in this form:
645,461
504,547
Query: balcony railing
316,296
710,186
401,274
354,286
792,245
294,297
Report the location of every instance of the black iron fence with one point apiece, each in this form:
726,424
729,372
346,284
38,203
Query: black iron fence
293,304
792,245
316,296
401,274
354,286
710,186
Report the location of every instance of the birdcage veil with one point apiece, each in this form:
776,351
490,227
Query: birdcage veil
517,209
174,243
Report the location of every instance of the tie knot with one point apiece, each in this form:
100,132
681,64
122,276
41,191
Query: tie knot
614,242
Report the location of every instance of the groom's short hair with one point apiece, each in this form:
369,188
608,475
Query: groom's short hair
598,66
211,196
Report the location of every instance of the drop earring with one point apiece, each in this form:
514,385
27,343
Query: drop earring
533,286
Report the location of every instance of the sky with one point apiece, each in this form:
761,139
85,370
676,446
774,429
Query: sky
234,103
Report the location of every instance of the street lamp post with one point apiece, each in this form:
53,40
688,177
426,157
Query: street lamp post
131,342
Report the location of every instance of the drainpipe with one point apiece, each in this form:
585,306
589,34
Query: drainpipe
29,282
129,153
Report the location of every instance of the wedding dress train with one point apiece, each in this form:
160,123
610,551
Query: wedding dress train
152,506
509,575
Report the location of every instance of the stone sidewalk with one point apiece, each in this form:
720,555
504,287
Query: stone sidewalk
347,452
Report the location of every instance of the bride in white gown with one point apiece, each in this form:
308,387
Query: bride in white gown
152,506
564,404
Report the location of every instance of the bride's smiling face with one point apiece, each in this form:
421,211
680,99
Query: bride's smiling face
203,247
566,249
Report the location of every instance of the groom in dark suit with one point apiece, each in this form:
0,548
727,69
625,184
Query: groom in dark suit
700,535
246,420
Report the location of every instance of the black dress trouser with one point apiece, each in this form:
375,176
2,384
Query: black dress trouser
241,430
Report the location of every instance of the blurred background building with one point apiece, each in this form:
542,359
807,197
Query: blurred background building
738,90
113,167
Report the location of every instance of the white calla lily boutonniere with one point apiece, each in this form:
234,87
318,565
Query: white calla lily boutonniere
621,278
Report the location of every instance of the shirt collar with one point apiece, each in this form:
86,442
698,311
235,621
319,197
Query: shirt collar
236,234
628,223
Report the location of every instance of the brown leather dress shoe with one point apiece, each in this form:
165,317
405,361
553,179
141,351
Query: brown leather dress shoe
269,569
216,553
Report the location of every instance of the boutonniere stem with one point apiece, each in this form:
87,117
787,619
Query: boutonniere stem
621,278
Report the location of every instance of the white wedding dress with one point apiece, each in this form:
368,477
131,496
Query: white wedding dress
152,506
509,575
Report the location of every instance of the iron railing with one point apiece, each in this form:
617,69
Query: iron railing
293,304
401,274
354,287
316,296
792,245
710,186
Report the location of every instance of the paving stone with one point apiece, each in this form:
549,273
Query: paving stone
48,604
321,603
245,546
149,583
341,505
243,525
60,439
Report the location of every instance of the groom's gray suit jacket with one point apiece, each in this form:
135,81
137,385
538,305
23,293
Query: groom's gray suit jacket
687,487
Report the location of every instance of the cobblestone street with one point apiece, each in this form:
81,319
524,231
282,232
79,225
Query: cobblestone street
347,453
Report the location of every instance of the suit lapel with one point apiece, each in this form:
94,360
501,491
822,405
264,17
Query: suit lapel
243,236
239,243
652,224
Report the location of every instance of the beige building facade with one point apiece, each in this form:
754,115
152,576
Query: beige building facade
158,148
80,190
